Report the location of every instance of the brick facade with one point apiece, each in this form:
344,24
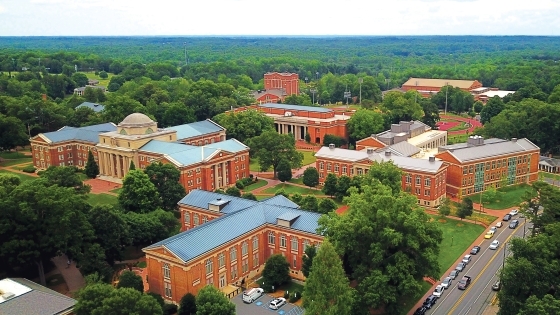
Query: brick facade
289,82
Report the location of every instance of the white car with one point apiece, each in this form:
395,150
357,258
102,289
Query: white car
494,245
446,283
277,303
494,229
467,259
499,224
514,212
252,294
438,291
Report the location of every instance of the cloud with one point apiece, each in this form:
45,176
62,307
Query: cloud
2,9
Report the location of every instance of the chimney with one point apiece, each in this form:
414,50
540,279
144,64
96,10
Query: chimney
369,151
387,153
513,139
432,159
331,146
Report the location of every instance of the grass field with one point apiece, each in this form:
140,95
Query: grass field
116,191
103,82
549,175
102,199
22,177
308,158
12,155
291,189
461,126
297,180
12,162
452,139
260,183
509,196
457,237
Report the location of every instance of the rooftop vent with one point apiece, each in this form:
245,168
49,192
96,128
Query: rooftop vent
369,151
432,159
387,153
217,205
331,146
475,140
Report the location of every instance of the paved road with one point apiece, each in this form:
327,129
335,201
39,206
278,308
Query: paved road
483,270
260,307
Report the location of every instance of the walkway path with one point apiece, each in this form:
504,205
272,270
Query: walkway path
99,186
72,275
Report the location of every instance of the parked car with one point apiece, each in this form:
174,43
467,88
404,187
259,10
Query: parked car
464,283
438,291
446,283
421,310
513,224
494,245
467,259
514,212
489,234
252,294
507,217
499,224
475,250
497,286
460,266
277,303
430,301
493,229
453,274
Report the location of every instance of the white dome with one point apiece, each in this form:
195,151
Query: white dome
136,119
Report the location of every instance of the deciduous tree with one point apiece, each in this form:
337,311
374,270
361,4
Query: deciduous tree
326,205
276,272
307,259
310,203
129,279
465,208
327,289
187,305
493,107
284,171
12,133
445,207
311,177
364,123
138,193
233,191
210,301
271,147
65,176
111,231
165,178
329,188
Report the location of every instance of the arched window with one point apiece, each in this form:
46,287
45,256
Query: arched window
221,260
195,219
244,248
149,130
187,218
271,238
123,132
255,243
209,266
233,254
166,271
294,243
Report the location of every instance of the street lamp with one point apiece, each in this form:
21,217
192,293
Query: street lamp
317,73
305,80
361,80
446,88
313,91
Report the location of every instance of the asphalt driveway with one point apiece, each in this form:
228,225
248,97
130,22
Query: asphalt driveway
260,307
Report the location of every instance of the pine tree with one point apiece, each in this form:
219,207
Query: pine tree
327,290
132,166
92,169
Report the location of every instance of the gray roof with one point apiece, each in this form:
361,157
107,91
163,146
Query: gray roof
93,106
402,149
39,301
416,124
196,129
491,148
545,160
402,162
239,221
297,107
89,133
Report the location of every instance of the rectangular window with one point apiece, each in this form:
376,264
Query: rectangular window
418,179
283,241
426,192
427,182
233,254
255,260
336,168
329,166
234,271
294,258
167,289
60,149
465,170
255,243
61,157
344,169
195,220
294,244
245,266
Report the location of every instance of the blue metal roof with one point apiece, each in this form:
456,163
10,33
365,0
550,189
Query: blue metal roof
280,201
89,133
196,129
201,199
297,107
163,147
231,145
288,216
93,106
243,216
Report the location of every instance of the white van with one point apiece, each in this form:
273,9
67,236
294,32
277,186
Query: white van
252,294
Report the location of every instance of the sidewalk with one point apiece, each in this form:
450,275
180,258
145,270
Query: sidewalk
72,275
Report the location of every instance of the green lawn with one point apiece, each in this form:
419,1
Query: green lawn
452,139
22,177
457,237
102,199
12,155
461,126
549,175
103,82
116,191
308,158
255,167
260,183
12,162
509,196
291,287
297,180
291,189
408,302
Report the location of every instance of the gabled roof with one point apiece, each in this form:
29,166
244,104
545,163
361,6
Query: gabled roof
275,92
402,162
89,133
184,154
401,149
297,107
93,106
545,160
33,299
280,201
196,129
465,152
195,242
463,84
201,199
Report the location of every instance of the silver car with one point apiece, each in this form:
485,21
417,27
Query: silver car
453,274
460,266
446,283
494,245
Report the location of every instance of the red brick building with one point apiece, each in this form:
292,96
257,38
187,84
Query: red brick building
426,87
199,150
300,120
424,178
226,240
289,82
481,163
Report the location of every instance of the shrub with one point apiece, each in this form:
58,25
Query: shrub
28,169
247,181
286,295
295,296
158,298
239,184
169,309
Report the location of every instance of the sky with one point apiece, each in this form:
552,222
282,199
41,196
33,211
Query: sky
281,17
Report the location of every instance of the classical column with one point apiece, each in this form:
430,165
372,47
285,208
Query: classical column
216,183
105,158
126,161
224,176
111,165
119,166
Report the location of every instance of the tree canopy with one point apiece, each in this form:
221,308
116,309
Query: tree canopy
101,299
138,193
271,147
244,125
276,271
166,179
211,301
364,123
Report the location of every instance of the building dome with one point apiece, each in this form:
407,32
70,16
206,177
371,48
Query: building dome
136,120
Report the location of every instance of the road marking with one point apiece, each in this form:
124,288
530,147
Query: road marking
481,273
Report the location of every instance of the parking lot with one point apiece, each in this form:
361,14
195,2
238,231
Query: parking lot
260,307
